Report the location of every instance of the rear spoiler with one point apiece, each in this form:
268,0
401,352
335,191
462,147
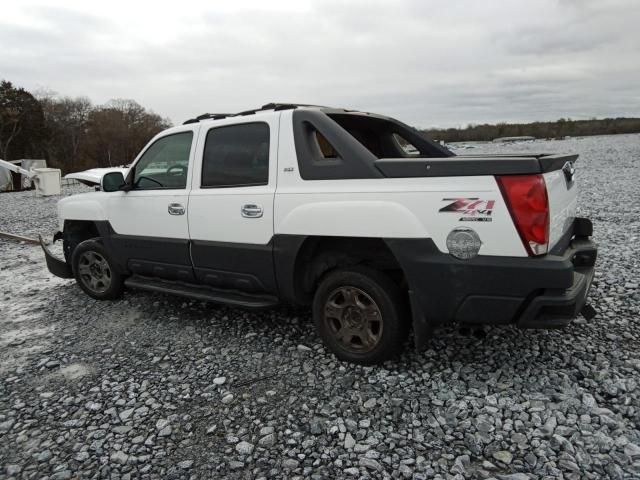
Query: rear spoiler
472,165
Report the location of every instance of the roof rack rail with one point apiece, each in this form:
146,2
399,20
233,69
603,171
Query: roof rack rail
267,106
208,116
287,106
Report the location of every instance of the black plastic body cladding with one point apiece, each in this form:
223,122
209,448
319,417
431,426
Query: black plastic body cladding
239,266
548,292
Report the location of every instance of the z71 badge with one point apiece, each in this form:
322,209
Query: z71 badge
472,209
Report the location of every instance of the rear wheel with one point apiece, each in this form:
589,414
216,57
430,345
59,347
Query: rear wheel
95,272
360,314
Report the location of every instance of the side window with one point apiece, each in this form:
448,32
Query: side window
237,155
165,164
404,145
325,147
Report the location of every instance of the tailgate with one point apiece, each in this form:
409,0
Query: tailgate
562,191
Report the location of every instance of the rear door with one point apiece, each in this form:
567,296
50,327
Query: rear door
150,232
231,204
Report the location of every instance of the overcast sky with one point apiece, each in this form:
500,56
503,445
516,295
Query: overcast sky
429,63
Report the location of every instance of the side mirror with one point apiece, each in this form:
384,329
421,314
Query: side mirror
112,182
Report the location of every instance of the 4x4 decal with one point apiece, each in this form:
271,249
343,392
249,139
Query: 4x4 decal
473,209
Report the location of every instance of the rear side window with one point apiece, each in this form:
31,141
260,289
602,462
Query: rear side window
405,145
237,155
325,147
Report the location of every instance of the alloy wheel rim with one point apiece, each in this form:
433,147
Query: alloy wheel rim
354,319
94,271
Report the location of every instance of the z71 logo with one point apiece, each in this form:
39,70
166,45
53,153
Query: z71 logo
472,209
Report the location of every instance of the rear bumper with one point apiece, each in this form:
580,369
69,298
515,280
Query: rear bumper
556,308
529,292
58,267
542,307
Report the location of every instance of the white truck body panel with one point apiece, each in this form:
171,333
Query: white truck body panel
89,206
385,207
215,213
145,212
563,200
381,207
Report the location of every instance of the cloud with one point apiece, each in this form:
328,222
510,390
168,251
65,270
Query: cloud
426,62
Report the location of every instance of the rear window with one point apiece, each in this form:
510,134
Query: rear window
237,155
386,138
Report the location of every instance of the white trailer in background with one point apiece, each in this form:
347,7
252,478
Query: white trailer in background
46,180
6,180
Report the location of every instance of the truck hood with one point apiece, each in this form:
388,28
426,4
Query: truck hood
93,176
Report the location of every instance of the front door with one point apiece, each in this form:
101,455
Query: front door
231,206
150,228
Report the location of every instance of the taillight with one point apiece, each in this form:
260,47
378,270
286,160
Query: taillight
526,197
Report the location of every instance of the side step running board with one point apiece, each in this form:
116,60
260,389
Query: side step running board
201,292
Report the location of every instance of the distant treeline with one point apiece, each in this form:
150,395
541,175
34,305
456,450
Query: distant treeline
71,133
558,129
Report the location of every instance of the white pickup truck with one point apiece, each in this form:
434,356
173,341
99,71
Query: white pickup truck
378,229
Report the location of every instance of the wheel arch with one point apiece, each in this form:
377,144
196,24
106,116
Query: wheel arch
301,261
77,231
77,226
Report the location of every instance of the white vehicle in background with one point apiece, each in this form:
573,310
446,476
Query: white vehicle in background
94,176
357,215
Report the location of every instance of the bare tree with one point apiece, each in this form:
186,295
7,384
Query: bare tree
10,117
119,129
71,133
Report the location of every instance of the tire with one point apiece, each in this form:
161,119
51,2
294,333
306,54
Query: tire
346,307
95,271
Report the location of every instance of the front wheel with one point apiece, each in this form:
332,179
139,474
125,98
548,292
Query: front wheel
95,272
360,314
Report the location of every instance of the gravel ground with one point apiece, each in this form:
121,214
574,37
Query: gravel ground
153,386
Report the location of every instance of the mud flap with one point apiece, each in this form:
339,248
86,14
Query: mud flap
56,266
422,328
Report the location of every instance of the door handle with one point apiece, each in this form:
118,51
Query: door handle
176,209
251,211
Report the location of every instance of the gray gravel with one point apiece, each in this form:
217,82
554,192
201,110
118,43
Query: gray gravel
154,386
